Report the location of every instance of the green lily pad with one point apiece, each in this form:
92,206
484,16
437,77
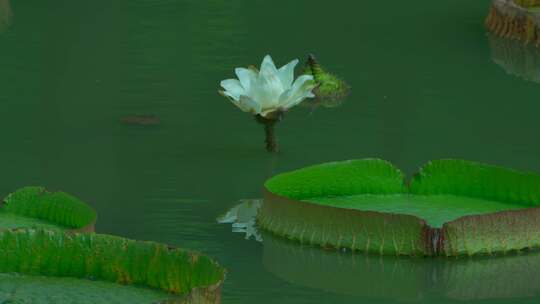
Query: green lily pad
516,19
435,209
527,3
451,207
5,15
35,207
17,288
185,276
402,279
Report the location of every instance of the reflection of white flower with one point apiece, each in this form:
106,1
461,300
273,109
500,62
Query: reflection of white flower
243,218
269,90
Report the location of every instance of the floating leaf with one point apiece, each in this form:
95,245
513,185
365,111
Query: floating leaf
17,288
372,176
5,15
515,19
32,207
112,259
452,207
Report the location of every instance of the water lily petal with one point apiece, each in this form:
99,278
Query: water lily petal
271,113
300,90
245,103
268,66
247,78
298,99
268,90
286,74
233,87
229,96
249,105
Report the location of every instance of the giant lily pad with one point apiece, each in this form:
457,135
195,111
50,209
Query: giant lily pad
181,276
19,288
5,15
406,279
451,207
516,19
33,207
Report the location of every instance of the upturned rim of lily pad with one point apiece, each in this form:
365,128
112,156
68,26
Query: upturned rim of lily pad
514,19
286,211
188,276
59,208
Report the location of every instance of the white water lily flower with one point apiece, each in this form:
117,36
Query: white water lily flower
268,90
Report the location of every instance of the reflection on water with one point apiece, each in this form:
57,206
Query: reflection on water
403,278
515,57
242,218
140,120
5,15
176,220
398,278
318,102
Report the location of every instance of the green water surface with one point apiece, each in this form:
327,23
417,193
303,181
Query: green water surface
435,209
424,86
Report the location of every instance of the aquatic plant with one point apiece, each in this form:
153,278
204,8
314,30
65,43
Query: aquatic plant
32,207
451,207
268,93
515,19
39,245
527,3
192,276
24,288
5,15
404,278
330,90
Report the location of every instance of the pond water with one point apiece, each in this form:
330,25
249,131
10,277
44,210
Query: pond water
74,73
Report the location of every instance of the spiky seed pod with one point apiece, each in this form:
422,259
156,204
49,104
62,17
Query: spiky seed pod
330,89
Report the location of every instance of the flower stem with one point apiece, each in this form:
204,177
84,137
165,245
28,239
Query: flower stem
271,139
